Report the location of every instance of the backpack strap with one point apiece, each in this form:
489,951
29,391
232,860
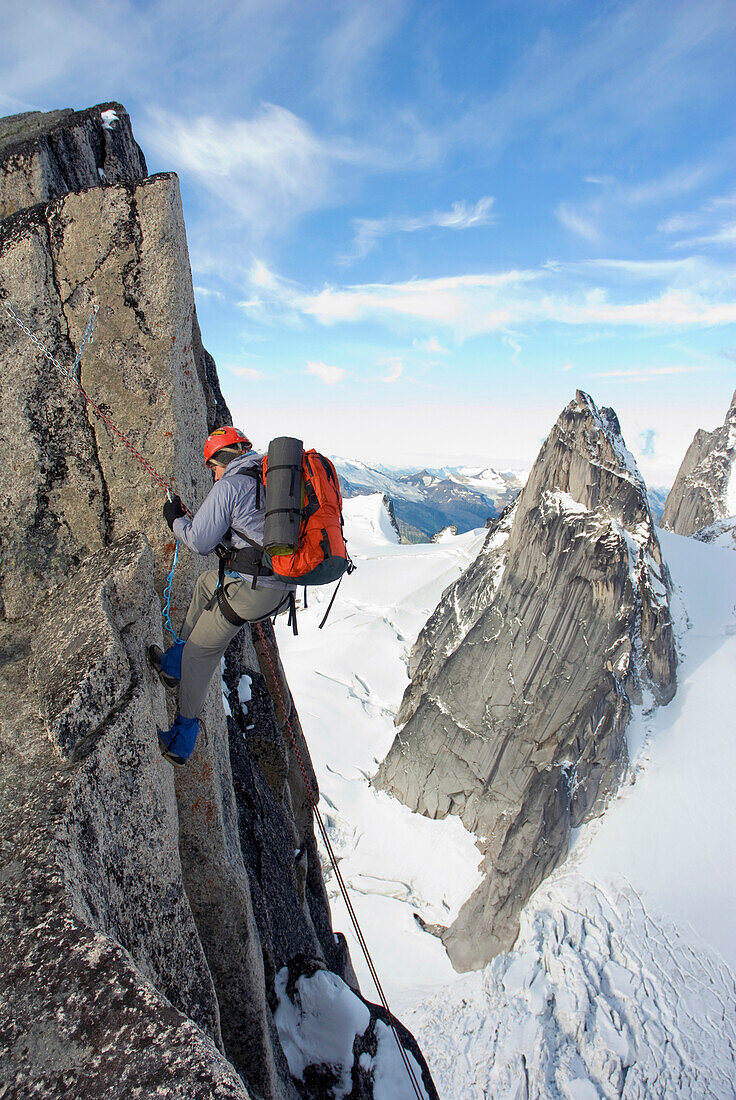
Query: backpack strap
256,472
329,606
350,569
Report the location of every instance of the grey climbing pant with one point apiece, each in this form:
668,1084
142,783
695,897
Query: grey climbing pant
207,632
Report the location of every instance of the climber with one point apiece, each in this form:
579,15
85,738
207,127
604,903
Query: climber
231,516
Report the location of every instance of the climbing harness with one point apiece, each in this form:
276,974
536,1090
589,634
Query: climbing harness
313,797
312,794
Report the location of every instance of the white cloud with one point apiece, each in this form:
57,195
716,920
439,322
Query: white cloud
460,216
206,292
644,374
616,76
473,304
327,373
645,441
250,373
351,48
714,218
613,202
268,169
395,369
725,235
470,303
578,223
431,345
687,292
515,346
677,182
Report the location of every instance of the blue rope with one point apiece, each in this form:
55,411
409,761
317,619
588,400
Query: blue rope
166,613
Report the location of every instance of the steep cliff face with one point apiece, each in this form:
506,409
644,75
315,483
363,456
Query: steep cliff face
151,923
704,491
524,676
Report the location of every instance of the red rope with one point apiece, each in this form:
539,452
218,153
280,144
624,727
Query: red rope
313,796
126,442
157,477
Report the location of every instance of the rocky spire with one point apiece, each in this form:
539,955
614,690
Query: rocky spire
704,491
525,675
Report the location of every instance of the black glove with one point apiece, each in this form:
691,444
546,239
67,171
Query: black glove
172,510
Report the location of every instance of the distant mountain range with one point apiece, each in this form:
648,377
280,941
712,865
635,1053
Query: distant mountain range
424,501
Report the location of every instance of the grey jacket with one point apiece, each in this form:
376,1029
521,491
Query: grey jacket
230,503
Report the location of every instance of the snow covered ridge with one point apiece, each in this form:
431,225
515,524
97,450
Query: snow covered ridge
525,678
722,533
425,501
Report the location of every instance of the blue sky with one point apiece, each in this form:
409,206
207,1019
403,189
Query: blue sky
416,228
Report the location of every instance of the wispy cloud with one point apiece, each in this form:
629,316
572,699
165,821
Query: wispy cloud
714,218
207,292
395,369
622,73
326,372
726,235
268,168
471,305
515,346
578,223
432,345
460,216
688,292
351,49
612,201
250,373
644,374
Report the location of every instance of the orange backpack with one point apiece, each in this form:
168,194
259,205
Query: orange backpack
303,541
320,555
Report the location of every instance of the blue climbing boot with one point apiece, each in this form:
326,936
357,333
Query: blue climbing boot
177,744
167,665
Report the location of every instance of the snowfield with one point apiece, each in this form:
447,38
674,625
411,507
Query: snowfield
621,982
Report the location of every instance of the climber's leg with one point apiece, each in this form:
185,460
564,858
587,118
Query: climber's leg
209,636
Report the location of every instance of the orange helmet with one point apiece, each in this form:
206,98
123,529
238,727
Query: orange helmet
223,437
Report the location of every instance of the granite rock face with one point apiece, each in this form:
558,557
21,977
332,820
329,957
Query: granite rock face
46,155
524,676
704,491
144,914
